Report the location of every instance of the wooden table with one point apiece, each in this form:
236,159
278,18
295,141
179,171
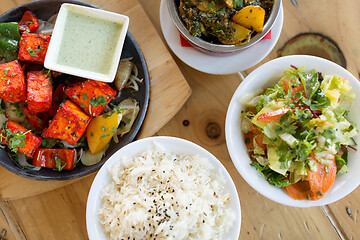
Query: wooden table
60,213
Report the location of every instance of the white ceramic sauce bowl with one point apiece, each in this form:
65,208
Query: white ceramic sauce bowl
171,144
87,42
266,76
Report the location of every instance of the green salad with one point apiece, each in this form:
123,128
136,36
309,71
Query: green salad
297,134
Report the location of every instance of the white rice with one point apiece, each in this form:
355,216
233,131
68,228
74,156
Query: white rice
162,195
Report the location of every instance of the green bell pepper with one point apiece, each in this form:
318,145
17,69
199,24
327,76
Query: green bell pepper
9,40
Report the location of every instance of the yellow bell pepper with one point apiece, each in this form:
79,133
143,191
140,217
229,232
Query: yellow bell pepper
101,129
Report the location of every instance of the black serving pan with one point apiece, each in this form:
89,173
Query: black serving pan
44,9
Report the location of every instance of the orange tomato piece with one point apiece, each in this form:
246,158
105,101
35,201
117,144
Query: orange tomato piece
255,131
272,116
286,85
295,89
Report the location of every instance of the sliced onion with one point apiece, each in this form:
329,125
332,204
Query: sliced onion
135,70
22,161
3,119
52,19
127,59
45,28
79,155
41,25
131,110
75,157
89,159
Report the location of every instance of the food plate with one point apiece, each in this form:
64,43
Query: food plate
268,75
218,64
171,144
44,9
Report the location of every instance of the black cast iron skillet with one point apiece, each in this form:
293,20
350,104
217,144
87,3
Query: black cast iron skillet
44,9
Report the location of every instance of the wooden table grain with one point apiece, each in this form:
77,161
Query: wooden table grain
60,213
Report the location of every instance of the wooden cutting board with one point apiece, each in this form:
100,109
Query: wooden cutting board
168,91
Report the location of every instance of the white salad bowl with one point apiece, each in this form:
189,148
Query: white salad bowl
169,144
266,76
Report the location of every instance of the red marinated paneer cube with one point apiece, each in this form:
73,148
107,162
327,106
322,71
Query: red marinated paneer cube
69,123
18,138
54,158
12,82
91,95
33,47
39,92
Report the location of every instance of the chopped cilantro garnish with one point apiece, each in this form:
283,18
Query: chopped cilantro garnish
6,70
84,96
98,101
105,135
59,165
38,48
16,140
31,52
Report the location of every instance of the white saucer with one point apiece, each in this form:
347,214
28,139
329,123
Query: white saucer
218,64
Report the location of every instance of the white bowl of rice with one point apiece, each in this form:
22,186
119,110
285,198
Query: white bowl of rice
163,188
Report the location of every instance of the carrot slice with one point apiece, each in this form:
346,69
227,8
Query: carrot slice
299,191
320,181
272,116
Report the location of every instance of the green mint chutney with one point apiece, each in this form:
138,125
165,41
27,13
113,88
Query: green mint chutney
88,43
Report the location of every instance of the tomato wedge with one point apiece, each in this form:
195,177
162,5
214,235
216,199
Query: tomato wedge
28,22
295,89
272,116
